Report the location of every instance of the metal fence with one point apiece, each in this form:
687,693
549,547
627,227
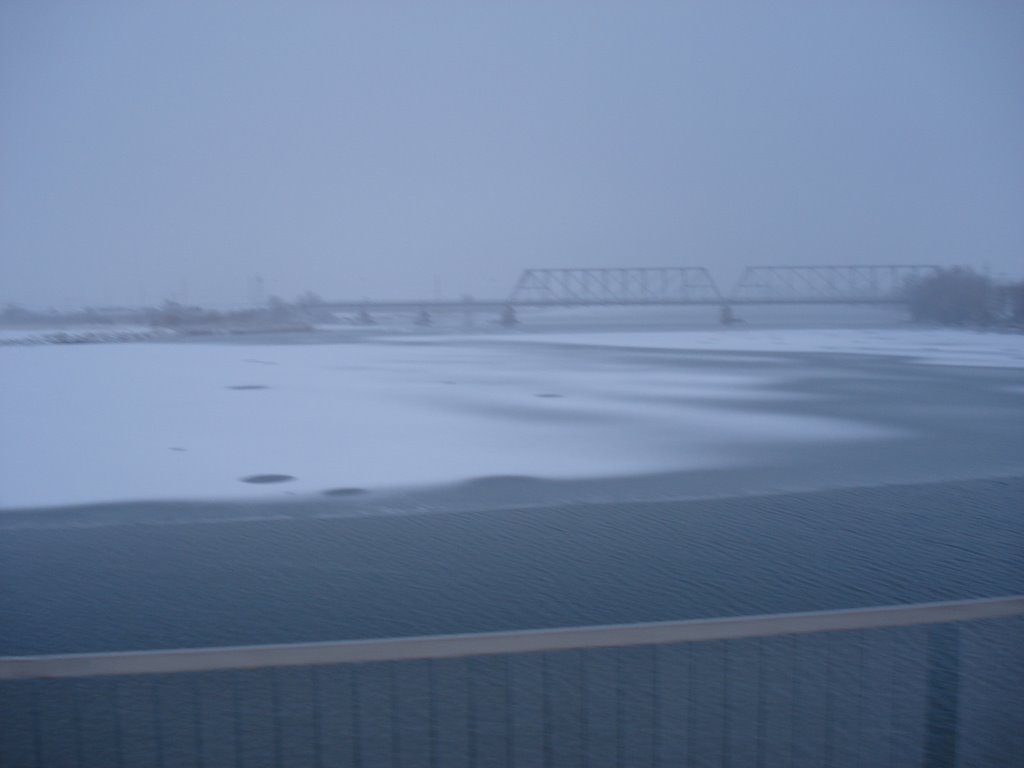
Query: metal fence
936,684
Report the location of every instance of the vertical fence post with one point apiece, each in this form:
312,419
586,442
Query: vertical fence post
943,696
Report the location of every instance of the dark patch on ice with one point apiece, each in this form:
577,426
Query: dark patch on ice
176,448
549,394
344,491
267,478
247,386
262,362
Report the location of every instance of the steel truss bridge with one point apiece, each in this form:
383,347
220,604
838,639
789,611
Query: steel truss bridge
632,285
874,284
680,286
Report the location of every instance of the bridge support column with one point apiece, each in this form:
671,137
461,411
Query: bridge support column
423,318
726,315
365,318
508,316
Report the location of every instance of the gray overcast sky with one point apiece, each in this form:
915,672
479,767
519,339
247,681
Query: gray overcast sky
360,149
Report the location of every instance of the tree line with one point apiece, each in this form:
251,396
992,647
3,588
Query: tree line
961,296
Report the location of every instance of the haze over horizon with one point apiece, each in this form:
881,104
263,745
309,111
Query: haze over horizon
175,150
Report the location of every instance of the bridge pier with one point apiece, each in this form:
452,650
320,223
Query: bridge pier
726,315
423,318
468,315
365,318
508,316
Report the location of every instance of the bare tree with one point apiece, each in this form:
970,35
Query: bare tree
956,296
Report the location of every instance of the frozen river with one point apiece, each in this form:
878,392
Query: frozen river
579,479
559,413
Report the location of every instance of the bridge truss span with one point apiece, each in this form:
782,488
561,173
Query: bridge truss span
860,284
627,285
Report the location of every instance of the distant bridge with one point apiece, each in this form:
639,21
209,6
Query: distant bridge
869,284
680,286
628,285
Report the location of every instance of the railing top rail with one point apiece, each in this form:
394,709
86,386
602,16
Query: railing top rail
497,643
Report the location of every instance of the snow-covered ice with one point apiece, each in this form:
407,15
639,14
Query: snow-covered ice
925,345
100,423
